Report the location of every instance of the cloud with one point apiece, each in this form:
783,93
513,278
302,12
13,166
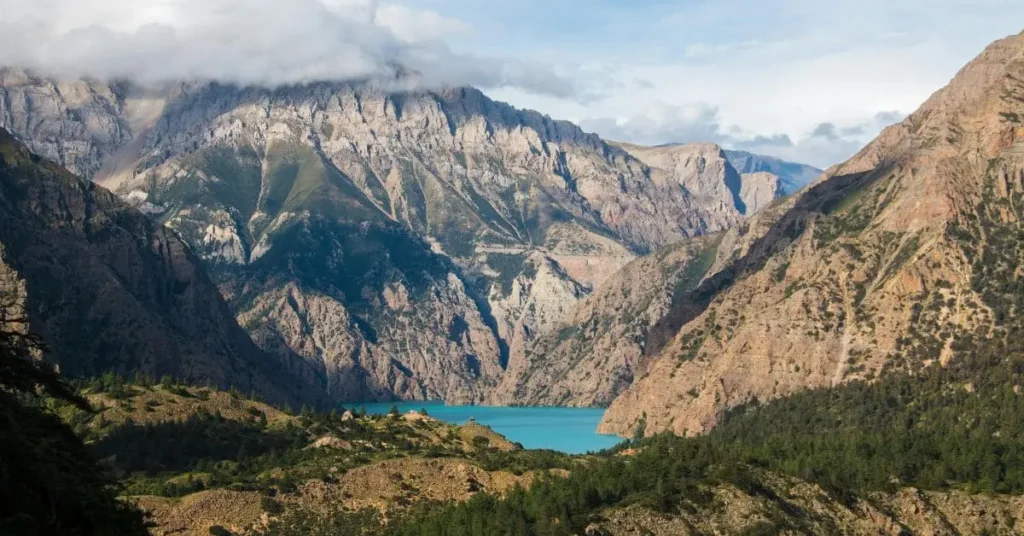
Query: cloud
890,117
417,26
824,145
259,42
661,123
784,67
641,83
825,131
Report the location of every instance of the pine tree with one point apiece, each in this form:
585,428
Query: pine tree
49,482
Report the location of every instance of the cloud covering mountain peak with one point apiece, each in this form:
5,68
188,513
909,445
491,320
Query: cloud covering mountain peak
256,42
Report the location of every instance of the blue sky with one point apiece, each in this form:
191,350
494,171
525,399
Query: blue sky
806,80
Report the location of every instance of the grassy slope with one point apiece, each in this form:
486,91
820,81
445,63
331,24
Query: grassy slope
197,458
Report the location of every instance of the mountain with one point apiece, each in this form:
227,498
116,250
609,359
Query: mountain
905,256
410,245
597,352
792,176
110,291
704,170
593,354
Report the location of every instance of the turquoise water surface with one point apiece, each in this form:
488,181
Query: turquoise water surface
570,430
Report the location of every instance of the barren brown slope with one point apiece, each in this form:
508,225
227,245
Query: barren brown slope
111,291
870,271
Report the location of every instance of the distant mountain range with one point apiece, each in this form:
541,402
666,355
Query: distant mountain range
410,245
793,177
847,359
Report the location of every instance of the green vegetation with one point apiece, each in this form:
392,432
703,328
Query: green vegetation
926,431
226,452
244,450
508,266
337,523
697,267
49,482
849,212
374,256
953,427
668,474
779,275
238,173
293,173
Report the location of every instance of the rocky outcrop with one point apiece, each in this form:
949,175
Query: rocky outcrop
595,353
704,170
879,266
75,124
759,189
109,290
410,245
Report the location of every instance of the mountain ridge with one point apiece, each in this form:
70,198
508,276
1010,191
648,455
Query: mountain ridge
863,276
480,223
110,291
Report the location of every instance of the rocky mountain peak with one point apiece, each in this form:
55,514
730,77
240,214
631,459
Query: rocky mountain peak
701,168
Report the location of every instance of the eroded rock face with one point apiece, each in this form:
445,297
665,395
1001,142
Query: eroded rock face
704,170
109,290
408,245
869,267
758,190
75,124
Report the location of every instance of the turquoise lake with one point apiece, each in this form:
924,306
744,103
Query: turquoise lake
570,430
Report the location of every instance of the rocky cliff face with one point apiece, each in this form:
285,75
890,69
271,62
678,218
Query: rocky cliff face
410,245
704,170
109,290
593,354
886,263
603,345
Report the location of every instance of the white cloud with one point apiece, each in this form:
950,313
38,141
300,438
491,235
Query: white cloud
769,68
765,73
415,26
259,42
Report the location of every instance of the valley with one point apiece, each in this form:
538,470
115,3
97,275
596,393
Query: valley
389,304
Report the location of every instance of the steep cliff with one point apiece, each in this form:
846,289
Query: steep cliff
594,353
